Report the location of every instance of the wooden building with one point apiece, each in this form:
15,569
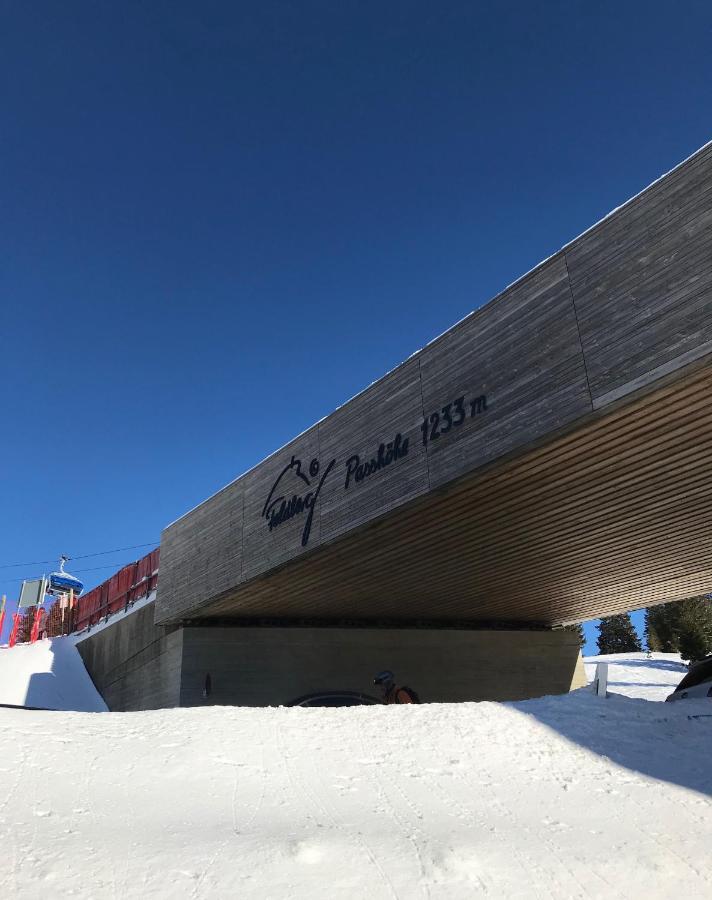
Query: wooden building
543,462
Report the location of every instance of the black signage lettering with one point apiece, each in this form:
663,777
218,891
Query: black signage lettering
281,508
478,405
284,502
452,415
387,453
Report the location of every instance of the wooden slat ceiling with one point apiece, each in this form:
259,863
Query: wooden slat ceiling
612,517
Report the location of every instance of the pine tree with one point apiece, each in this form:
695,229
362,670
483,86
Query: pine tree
695,628
577,628
653,640
616,634
683,626
662,627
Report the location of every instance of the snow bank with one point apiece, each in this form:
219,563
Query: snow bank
561,797
49,674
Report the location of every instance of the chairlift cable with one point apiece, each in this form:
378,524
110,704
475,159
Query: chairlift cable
93,569
46,562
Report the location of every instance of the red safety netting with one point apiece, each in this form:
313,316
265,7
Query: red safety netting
129,584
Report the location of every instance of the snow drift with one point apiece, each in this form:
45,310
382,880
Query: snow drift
49,674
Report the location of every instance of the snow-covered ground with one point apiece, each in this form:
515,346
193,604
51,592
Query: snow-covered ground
561,797
652,677
48,674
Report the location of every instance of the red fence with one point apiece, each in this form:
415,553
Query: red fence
128,585
121,590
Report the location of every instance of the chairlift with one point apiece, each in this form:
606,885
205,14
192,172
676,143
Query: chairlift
62,582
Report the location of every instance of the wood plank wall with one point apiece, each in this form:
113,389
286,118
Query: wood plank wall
626,305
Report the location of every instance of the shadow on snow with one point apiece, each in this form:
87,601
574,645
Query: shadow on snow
659,740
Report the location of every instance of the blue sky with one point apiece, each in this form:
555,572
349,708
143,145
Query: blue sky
198,199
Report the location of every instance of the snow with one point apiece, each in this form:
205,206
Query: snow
49,674
637,675
572,796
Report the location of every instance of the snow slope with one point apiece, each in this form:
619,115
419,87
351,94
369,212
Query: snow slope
49,674
637,675
561,797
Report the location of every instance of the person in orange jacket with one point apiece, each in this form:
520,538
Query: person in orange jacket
386,680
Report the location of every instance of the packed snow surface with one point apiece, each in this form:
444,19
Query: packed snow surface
652,677
49,674
572,796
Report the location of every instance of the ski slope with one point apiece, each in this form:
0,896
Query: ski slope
561,797
652,677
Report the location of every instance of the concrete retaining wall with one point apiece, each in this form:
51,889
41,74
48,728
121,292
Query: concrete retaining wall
138,665
134,663
271,666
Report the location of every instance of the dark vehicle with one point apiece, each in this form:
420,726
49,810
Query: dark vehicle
335,698
697,684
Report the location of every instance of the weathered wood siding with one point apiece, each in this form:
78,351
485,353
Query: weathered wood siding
642,283
522,352
624,305
390,407
264,549
204,553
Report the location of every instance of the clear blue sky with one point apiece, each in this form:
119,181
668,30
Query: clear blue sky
199,198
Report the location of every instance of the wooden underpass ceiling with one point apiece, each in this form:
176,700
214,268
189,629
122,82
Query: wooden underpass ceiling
612,517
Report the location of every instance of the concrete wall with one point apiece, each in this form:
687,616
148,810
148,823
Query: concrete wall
138,665
272,666
134,663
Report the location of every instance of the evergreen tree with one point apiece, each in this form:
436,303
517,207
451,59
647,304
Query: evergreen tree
695,628
616,634
662,627
577,629
653,640
683,626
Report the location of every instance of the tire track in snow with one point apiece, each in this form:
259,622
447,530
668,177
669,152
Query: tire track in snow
467,814
405,829
18,770
263,787
97,829
236,831
553,850
12,833
299,782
